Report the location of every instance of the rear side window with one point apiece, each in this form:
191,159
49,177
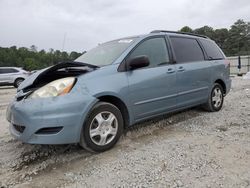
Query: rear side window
186,49
155,49
211,49
6,71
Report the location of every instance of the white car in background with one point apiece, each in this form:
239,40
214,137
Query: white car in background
12,76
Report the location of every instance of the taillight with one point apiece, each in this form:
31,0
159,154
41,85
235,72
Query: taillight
227,63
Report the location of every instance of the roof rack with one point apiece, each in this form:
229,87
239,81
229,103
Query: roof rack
177,32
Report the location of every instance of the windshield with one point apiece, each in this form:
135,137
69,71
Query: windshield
106,53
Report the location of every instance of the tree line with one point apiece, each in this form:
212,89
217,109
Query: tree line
233,41
32,59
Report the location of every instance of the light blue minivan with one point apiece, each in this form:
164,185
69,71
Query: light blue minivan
117,84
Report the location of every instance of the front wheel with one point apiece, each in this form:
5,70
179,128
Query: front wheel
102,128
216,99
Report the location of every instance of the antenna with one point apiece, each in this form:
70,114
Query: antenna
64,39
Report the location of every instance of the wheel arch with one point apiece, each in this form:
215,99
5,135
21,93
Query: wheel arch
19,77
223,85
120,104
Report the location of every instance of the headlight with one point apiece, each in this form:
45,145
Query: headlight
55,88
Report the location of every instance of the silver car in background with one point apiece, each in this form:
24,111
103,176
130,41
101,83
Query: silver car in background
12,76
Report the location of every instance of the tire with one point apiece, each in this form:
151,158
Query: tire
17,82
102,128
216,99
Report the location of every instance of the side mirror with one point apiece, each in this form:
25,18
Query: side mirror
137,62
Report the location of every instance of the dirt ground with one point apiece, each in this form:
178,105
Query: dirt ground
192,148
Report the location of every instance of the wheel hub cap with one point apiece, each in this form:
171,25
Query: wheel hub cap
217,97
103,128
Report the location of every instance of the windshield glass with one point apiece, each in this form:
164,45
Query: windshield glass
106,53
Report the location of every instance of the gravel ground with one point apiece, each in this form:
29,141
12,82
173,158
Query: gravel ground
192,148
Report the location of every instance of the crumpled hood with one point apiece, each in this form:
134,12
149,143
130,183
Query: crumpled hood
34,78
30,80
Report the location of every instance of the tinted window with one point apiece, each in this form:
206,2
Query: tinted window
186,49
212,49
155,49
6,71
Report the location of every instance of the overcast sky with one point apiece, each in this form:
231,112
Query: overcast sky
44,23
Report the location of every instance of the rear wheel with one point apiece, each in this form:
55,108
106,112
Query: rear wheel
216,99
17,82
103,127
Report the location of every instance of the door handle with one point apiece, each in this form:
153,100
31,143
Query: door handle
170,70
180,69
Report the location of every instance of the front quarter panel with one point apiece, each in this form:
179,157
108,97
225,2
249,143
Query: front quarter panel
107,81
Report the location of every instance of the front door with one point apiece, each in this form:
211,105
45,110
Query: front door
152,90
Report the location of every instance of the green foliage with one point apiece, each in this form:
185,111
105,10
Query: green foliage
31,59
186,29
233,41
30,64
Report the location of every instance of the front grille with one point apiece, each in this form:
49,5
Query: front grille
49,130
19,128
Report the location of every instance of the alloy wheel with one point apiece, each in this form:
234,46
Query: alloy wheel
103,128
217,97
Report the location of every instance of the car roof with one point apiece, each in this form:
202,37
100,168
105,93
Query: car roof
162,32
169,33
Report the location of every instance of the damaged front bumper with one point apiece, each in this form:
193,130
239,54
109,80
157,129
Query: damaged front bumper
56,120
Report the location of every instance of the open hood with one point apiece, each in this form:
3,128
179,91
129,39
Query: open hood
54,72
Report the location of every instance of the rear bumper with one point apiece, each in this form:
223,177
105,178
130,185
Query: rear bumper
67,112
228,85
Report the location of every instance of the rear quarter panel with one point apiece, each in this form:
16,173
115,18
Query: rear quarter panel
220,70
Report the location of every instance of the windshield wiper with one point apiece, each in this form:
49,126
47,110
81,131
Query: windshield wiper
87,64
